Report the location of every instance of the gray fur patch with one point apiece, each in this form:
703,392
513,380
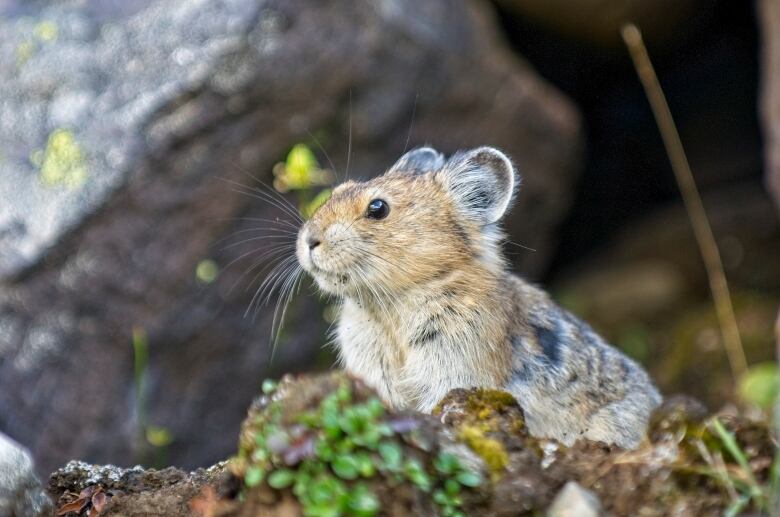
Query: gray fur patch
550,342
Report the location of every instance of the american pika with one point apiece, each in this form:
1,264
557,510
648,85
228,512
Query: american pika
428,302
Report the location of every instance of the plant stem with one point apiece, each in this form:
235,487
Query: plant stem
691,198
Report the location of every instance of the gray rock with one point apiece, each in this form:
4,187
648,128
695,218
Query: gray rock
574,501
21,494
116,122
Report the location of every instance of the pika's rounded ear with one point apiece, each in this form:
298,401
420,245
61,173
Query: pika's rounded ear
418,161
482,182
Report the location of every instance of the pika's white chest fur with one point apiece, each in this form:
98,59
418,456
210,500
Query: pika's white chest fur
414,364
368,350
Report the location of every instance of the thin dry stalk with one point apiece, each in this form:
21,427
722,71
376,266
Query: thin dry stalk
693,203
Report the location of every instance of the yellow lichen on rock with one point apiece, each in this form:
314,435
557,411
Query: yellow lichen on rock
489,449
62,162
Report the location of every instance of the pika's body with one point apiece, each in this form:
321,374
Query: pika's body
428,302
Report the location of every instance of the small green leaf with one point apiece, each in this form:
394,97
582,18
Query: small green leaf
439,497
369,437
322,510
452,487
301,486
254,476
446,463
345,446
392,455
324,451
351,422
416,474
269,386
281,478
331,425
362,502
260,455
325,489
469,478
365,465
375,407
761,385
346,467
385,430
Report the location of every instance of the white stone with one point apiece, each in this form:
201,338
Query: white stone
574,501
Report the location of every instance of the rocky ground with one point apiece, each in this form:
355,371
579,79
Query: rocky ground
325,445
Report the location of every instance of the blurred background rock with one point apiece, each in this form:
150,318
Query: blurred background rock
121,337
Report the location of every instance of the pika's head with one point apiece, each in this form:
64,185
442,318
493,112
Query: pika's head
422,219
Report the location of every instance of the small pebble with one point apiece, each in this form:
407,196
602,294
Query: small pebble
575,501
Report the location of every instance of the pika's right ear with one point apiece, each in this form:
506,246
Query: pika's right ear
418,161
481,181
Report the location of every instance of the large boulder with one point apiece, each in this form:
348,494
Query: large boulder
117,125
21,494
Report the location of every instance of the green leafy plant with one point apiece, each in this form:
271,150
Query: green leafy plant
330,455
760,385
301,173
739,480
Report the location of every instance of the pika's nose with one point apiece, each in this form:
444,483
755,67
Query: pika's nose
312,241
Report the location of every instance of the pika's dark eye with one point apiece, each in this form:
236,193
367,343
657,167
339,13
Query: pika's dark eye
377,209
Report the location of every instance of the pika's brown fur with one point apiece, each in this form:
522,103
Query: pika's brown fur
429,304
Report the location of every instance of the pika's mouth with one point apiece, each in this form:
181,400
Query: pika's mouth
333,278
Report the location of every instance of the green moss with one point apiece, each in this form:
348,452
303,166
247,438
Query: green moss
484,403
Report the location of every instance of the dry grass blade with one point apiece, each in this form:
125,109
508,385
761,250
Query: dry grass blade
690,194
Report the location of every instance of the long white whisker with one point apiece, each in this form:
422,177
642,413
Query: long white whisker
263,184
262,220
243,255
349,140
297,278
279,202
270,280
269,258
264,196
247,230
411,123
275,239
285,295
325,153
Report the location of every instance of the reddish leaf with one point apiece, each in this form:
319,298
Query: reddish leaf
79,504
74,506
99,501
